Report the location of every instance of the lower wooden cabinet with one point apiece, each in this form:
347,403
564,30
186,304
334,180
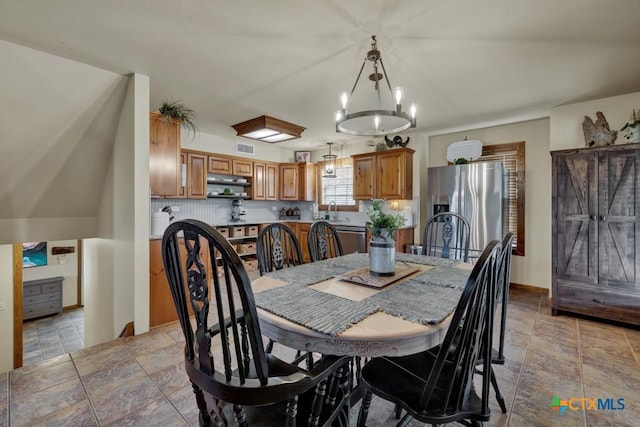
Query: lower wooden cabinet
303,233
404,237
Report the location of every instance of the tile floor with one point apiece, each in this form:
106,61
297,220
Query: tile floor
52,336
141,381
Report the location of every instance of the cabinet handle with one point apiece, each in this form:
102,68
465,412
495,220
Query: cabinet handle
603,218
599,301
593,218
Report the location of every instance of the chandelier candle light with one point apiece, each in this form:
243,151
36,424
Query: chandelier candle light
377,121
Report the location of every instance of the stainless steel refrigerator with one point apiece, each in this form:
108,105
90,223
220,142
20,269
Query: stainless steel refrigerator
476,191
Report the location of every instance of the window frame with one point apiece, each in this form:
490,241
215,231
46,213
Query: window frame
319,190
519,147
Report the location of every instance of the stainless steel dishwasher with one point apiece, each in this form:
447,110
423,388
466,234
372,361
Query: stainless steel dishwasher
352,237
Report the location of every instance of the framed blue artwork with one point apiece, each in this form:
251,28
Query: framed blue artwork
34,254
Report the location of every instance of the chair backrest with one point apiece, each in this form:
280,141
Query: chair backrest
192,251
277,247
502,288
323,241
468,339
447,235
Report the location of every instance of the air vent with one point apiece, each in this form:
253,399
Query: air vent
243,148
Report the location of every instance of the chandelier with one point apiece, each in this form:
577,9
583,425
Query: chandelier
377,121
329,170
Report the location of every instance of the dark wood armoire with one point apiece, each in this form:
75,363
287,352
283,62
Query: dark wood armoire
596,244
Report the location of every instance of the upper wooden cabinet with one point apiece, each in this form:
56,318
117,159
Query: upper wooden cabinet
196,175
265,181
298,181
220,165
242,167
307,186
383,175
289,181
164,156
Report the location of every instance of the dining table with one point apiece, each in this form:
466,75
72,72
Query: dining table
336,306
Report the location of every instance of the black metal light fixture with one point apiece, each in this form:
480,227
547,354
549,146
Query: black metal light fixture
329,169
377,121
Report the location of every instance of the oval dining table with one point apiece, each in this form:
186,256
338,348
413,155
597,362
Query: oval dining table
380,331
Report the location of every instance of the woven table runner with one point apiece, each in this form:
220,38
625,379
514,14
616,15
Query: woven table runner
322,312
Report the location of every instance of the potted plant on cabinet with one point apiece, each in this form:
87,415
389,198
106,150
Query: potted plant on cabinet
176,110
382,246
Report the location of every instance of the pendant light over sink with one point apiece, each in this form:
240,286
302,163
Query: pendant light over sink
329,170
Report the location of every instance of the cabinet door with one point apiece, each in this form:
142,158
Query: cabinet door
289,182
394,175
259,181
303,233
618,222
242,167
164,155
307,173
364,182
196,176
577,225
271,185
221,165
404,238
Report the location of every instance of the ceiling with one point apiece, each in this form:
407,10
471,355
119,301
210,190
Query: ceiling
466,63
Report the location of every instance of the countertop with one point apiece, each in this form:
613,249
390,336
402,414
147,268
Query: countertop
271,221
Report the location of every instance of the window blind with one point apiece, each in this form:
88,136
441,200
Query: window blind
340,188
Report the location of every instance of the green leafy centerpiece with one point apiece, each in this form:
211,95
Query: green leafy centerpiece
382,246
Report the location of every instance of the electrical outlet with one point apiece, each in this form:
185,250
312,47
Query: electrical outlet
175,208
3,307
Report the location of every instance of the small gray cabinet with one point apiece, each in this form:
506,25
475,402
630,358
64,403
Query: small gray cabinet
41,297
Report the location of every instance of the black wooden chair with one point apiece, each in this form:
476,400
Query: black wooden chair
323,241
231,374
436,386
447,235
277,247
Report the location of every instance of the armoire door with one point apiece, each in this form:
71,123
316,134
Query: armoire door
618,220
577,222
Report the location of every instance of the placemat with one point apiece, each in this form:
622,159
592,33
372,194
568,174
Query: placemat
426,299
322,312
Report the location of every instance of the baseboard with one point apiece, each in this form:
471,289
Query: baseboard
529,288
128,330
71,307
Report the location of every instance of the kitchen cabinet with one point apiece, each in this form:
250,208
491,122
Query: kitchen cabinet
303,233
298,181
164,156
289,181
307,186
265,181
242,167
196,175
383,175
219,165
182,181
595,225
161,307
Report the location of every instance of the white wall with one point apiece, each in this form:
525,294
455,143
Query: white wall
6,316
566,120
533,269
117,264
59,265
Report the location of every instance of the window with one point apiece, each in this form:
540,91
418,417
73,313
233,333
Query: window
512,156
338,189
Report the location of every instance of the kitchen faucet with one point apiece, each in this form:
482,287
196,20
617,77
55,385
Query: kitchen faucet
335,210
